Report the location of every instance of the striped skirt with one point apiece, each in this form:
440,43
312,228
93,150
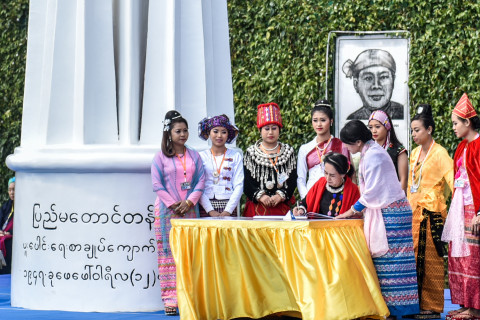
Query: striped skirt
167,270
464,272
396,269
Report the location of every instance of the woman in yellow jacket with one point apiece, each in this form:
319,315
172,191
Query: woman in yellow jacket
429,183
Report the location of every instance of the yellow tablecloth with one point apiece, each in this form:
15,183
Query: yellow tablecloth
247,268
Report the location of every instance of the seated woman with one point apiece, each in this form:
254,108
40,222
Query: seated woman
6,229
335,192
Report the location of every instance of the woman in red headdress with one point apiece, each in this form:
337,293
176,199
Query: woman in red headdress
269,167
462,227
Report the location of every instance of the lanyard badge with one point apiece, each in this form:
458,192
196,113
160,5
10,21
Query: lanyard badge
184,185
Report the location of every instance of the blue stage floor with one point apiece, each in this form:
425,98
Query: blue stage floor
10,313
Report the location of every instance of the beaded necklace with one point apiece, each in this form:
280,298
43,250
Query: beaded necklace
323,150
217,169
416,185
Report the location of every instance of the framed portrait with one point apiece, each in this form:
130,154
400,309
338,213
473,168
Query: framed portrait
371,73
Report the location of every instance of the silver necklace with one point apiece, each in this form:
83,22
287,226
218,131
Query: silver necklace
333,190
266,149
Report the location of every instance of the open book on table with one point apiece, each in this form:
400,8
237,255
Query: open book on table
314,215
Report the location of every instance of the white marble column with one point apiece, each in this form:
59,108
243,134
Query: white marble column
189,69
100,76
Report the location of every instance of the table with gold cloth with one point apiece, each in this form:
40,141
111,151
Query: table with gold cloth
315,269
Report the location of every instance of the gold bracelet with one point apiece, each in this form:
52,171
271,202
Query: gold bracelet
190,203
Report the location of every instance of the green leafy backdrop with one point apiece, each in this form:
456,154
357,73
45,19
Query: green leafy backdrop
278,54
13,48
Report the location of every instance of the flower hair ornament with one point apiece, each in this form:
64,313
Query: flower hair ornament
168,120
166,124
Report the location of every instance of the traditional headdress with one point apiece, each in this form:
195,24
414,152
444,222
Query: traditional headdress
171,115
209,123
464,108
369,58
268,113
11,180
382,117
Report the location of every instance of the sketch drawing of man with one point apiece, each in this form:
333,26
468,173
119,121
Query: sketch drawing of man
373,73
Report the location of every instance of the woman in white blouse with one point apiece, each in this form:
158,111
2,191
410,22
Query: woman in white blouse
310,166
223,168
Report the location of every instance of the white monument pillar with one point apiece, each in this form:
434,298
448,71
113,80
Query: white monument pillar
100,77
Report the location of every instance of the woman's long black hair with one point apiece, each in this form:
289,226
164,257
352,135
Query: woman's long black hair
353,131
167,145
323,106
424,114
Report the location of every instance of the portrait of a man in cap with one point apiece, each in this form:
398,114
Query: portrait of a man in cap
373,74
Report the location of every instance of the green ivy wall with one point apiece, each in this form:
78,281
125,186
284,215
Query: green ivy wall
13,49
278,54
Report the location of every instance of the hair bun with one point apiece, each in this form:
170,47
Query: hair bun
424,109
323,103
172,114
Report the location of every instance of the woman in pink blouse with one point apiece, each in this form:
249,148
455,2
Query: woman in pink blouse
178,179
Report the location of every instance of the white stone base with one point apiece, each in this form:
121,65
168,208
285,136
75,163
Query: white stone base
85,242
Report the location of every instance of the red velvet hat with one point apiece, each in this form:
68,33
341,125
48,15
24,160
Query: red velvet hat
268,113
464,108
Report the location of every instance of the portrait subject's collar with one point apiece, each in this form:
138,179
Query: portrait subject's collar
386,108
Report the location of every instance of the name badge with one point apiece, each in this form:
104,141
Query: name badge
459,183
282,177
218,189
185,186
413,189
322,169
